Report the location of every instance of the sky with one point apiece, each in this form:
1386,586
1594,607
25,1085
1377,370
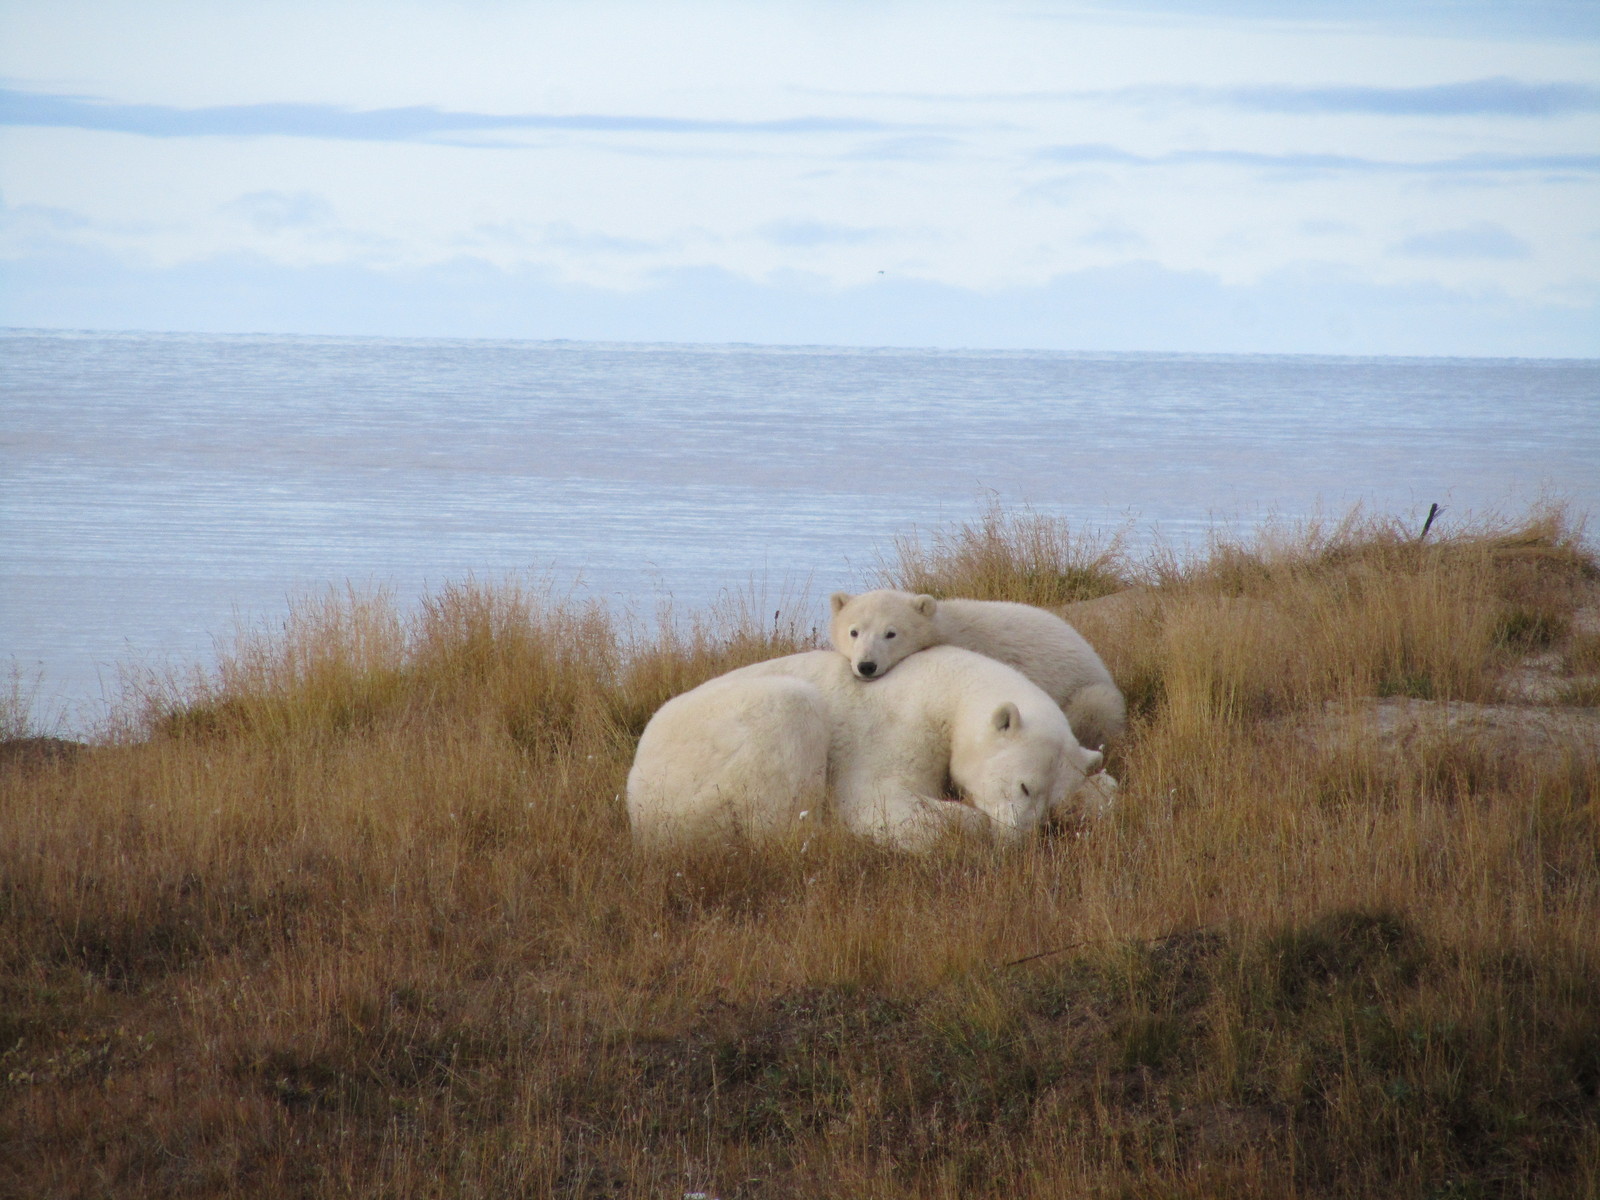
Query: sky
1412,177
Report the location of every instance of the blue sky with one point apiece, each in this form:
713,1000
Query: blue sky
1407,178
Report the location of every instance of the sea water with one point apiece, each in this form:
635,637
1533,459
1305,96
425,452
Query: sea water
158,492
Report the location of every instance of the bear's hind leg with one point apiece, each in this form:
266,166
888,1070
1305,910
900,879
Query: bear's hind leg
893,815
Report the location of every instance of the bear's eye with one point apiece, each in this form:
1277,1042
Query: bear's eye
854,632
1025,790
890,634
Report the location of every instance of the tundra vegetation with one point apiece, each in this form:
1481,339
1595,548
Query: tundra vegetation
357,912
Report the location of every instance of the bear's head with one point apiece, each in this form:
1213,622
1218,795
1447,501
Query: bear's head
1019,769
875,630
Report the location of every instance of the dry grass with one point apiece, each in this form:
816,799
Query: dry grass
358,914
1004,555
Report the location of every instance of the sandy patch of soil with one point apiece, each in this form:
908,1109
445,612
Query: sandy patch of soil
1394,726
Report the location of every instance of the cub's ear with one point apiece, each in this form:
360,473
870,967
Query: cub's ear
1092,761
1007,718
839,599
925,605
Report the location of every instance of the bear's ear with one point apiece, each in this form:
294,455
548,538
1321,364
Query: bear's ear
1092,761
925,605
838,600
1007,718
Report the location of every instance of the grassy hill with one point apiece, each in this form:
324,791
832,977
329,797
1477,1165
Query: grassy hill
357,914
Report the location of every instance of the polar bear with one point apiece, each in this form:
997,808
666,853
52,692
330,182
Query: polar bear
757,748
738,754
876,630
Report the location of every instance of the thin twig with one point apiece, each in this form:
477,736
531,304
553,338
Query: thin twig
1152,941
1017,962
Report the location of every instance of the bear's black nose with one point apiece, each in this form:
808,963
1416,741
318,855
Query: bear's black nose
867,669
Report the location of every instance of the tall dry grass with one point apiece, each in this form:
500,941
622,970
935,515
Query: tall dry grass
357,914
1024,556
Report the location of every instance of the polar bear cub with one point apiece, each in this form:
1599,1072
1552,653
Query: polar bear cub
877,630
755,749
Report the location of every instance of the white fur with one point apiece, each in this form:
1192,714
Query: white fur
732,756
877,630
751,750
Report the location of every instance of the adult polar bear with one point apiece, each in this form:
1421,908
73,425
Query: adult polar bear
754,749
877,630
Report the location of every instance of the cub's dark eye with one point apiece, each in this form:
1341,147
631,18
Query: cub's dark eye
890,634
853,632
1025,790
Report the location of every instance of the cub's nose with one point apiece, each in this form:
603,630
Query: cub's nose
867,669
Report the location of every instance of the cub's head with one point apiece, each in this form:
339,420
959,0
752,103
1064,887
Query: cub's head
875,630
1020,769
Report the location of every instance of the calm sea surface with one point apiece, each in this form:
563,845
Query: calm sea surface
158,491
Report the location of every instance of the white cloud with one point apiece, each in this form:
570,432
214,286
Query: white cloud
1113,237
273,212
1316,308
1483,240
973,149
807,234
1319,227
